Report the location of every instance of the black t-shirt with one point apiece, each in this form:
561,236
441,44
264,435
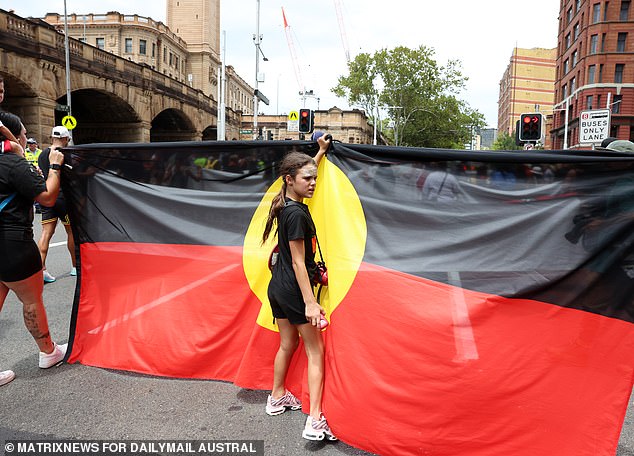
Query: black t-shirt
294,222
18,175
45,164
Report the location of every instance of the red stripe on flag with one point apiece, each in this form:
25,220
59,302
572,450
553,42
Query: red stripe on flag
546,379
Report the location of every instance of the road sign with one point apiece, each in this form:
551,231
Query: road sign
69,122
246,132
293,121
594,126
61,107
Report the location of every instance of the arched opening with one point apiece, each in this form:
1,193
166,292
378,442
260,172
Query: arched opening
210,133
101,117
21,100
172,125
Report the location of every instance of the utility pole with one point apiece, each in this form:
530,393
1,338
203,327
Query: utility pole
256,39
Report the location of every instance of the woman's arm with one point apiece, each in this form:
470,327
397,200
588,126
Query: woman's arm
313,309
324,144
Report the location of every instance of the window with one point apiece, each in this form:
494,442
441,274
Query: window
589,102
601,73
618,73
605,11
566,66
569,15
573,85
616,104
598,101
164,54
576,30
594,39
153,49
591,70
603,42
100,43
574,59
625,10
577,5
596,13
620,43
564,92
142,46
128,45
567,41
171,59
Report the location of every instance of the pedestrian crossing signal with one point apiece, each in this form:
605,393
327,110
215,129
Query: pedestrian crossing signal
306,120
530,127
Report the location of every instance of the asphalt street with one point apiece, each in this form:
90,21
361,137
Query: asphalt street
81,402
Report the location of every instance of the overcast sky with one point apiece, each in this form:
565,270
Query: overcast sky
481,35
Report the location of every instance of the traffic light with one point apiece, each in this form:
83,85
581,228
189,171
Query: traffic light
306,117
530,127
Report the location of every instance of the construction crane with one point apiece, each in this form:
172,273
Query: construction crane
291,48
342,30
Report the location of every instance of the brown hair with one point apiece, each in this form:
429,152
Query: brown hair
289,166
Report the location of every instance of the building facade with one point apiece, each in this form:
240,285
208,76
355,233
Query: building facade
346,126
595,68
527,86
187,49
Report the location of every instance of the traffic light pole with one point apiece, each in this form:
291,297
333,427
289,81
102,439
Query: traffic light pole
256,39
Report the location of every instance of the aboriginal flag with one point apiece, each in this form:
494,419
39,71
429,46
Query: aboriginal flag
481,303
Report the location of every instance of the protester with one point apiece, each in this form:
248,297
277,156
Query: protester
50,215
4,131
290,293
21,265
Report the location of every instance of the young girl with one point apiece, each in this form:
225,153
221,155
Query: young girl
290,291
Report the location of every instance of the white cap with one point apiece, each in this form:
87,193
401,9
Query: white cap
60,132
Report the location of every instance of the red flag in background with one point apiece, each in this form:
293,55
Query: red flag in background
480,302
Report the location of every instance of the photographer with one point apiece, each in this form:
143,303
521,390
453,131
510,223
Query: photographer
21,265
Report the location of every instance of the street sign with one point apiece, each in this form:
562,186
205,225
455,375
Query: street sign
61,107
594,126
246,132
69,122
293,121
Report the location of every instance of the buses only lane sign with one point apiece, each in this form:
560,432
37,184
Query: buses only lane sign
594,126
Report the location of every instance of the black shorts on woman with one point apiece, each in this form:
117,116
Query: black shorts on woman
20,255
285,296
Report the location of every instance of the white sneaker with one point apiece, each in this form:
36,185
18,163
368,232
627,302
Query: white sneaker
53,358
317,429
6,377
73,272
48,278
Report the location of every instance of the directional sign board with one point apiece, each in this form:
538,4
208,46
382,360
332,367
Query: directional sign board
594,126
293,121
69,122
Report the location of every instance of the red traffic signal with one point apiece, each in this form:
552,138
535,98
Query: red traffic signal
530,127
306,117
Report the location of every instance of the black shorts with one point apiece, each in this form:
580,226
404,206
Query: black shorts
20,259
285,304
52,214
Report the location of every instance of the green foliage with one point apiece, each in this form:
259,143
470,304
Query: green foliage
417,94
504,141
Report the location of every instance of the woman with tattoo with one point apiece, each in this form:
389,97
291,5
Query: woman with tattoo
21,265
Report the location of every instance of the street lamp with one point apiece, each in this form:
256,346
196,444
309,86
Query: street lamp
257,39
67,53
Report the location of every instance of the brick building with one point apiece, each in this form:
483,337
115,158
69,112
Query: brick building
527,86
595,67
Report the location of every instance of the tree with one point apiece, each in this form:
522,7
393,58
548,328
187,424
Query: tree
418,95
504,141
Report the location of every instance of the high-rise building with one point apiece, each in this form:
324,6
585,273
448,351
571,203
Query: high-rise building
527,86
198,24
595,67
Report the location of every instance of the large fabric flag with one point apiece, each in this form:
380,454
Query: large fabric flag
481,303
